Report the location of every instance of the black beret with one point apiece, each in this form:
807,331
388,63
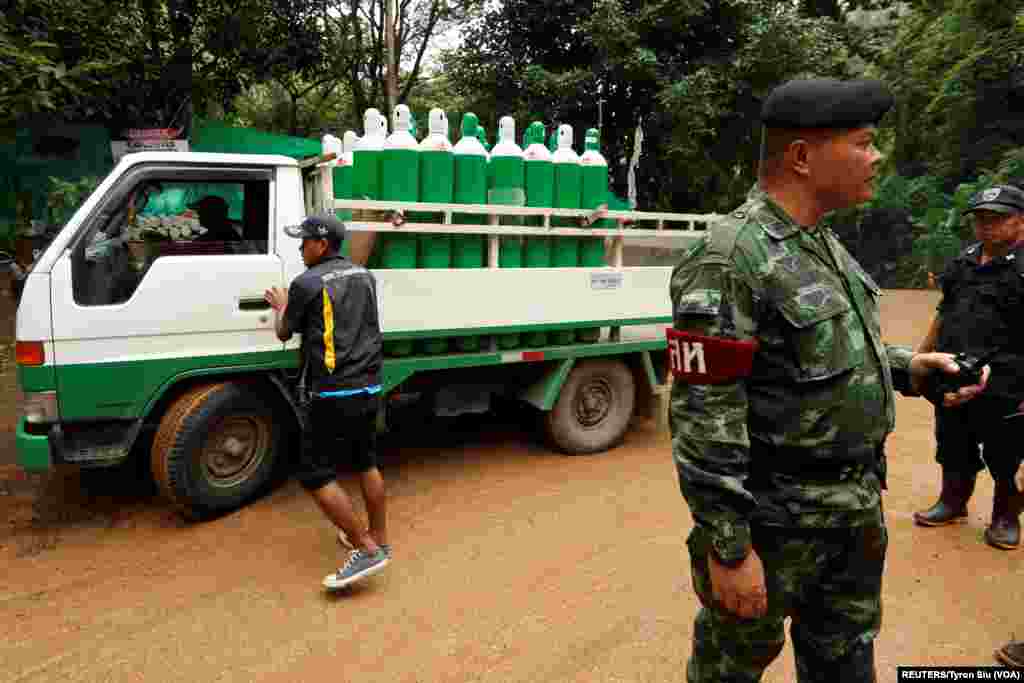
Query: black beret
1001,199
826,103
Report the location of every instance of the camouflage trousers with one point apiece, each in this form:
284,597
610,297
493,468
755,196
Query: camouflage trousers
828,581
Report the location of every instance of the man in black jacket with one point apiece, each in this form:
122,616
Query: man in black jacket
333,305
982,312
213,216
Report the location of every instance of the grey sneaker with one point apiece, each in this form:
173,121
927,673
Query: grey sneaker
343,539
359,566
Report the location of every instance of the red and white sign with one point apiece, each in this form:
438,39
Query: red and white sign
522,356
148,140
118,148
152,133
699,359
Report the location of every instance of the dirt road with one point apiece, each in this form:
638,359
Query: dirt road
511,564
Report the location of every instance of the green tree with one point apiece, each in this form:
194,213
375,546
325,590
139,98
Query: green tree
147,62
695,72
360,54
63,57
270,107
957,67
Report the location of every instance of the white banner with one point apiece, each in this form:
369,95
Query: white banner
118,148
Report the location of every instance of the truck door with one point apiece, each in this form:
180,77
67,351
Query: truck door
132,313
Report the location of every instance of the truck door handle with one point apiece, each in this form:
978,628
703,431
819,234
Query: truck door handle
253,304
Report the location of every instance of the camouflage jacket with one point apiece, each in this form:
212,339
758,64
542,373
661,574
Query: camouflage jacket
798,442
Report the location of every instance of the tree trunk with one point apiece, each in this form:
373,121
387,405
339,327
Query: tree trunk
293,126
391,78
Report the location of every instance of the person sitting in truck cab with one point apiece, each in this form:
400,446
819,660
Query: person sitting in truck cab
213,215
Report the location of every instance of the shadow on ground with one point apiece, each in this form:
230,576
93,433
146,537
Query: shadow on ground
39,508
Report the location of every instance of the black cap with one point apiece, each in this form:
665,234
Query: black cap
826,103
317,227
1001,199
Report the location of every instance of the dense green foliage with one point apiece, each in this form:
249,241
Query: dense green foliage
693,72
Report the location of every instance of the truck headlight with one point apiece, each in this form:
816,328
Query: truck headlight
40,407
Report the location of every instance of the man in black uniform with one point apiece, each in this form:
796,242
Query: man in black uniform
333,305
982,311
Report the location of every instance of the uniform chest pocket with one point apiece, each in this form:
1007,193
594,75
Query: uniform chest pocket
817,333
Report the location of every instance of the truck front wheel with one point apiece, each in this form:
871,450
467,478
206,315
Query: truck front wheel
216,448
594,407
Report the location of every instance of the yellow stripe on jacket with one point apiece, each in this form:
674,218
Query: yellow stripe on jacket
329,359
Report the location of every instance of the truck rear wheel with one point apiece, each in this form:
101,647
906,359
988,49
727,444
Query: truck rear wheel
593,409
216,448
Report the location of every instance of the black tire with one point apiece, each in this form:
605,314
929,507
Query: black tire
594,408
217,448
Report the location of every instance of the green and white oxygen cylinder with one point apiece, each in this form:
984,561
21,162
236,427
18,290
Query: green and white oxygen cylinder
565,252
343,174
437,184
507,186
470,188
343,183
414,126
481,135
330,144
567,188
366,157
507,164
508,189
400,182
400,170
539,177
593,193
594,190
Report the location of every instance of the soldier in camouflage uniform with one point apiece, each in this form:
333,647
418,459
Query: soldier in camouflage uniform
782,399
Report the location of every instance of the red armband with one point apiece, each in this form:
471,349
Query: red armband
697,359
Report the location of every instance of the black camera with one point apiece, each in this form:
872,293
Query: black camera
942,382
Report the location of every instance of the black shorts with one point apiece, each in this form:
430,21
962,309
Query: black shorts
341,436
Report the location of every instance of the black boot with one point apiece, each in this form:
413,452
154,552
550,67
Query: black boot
957,489
1012,654
1004,532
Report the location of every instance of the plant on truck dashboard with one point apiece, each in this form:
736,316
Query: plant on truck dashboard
164,228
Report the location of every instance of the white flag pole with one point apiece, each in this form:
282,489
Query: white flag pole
638,140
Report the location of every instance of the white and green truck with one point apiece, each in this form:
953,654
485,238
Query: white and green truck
166,350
